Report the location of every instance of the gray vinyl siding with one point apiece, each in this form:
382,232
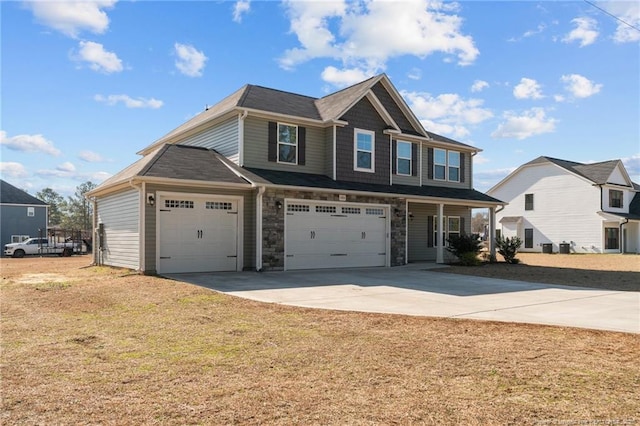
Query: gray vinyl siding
222,137
418,229
393,109
432,182
406,180
120,215
256,134
16,222
249,242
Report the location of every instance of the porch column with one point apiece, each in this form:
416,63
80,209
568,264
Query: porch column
492,232
440,235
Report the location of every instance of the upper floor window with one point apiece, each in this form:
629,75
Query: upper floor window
287,143
364,150
454,166
615,198
403,166
31,211
440,164
528,201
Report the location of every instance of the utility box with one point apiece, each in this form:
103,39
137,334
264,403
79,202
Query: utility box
564,248
547,248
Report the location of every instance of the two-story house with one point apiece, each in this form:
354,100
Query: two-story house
581,208
267,179
21,215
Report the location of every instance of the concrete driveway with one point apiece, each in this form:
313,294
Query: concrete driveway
417,290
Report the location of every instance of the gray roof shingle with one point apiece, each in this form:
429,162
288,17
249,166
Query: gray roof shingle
9,194
596,172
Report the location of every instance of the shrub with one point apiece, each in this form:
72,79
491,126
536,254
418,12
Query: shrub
466,248
508,247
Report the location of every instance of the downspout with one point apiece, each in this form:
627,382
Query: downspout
622,239
335,131
94,232
261,190
241,118
140,223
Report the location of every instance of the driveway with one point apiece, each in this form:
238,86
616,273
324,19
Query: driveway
417,290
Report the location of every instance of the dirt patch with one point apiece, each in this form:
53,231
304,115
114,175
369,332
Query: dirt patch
121,348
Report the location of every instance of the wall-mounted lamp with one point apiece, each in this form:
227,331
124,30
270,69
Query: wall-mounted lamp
151,200
410,216
279,204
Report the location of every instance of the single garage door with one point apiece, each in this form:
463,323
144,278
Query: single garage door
197,234
322,235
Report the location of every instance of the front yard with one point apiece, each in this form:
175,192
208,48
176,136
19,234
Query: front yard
95,345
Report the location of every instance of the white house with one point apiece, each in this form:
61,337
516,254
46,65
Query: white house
571,207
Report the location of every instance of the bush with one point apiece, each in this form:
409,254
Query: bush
508,247
466,248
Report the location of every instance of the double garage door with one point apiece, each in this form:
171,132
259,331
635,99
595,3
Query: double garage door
323,235
197,233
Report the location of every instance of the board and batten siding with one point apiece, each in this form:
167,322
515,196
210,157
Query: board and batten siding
223,137
468,170
565,208
249,242
120,215
418,229
256,147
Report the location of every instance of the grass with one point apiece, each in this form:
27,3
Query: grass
114,349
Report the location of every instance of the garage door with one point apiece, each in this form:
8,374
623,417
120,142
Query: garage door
321,235
197,234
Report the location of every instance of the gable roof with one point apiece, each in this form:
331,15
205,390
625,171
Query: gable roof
9,194
323,111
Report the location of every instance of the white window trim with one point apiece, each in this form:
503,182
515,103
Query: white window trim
398,158
450,166
278,142
355,150
446,170
31,211
445,222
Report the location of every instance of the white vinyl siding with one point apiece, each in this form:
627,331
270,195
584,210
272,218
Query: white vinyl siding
223,137
120,215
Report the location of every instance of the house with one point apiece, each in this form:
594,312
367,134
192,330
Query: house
572,207
21,215
272,180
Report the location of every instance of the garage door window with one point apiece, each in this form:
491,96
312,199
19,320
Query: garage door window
298,208
375,212
325,209
178,204
350,210
218,205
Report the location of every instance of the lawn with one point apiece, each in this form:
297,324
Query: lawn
96,345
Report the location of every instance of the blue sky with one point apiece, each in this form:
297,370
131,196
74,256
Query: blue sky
85,85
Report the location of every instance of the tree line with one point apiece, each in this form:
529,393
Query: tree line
74,212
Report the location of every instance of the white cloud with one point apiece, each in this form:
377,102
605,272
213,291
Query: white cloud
344,77
580,86
415,74
67,167
90,157
632,164
129,102
530,123
365,35
480,159
13,169
585,32
629,12
527,89
479,85
98,59
447,113
28,143
72,17
190,61
240,8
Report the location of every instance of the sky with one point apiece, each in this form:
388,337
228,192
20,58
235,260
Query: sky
87,84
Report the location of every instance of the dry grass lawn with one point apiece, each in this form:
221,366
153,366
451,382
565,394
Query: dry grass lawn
95,345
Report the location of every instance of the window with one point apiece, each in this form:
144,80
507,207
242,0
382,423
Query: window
528,201
19,238
375,211
615,198
218,205
178,204
528,238
611,238
287,143
454,166
453,224
440,164
31,211
403,166
364,151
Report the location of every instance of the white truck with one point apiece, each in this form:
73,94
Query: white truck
39,246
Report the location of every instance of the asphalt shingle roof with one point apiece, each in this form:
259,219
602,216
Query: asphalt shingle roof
9,194
596,172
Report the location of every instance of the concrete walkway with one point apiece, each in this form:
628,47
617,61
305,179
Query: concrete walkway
417,290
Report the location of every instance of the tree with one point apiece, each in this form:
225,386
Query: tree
480,222
508,248
57,205
79,212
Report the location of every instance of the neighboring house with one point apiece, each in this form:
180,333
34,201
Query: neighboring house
267,179
21,215
589,208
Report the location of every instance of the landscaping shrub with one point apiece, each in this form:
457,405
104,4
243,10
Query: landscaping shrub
466,248
508,248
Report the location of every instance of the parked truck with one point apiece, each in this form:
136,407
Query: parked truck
39,246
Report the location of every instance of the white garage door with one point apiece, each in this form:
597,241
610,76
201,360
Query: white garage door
321,235
197,234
